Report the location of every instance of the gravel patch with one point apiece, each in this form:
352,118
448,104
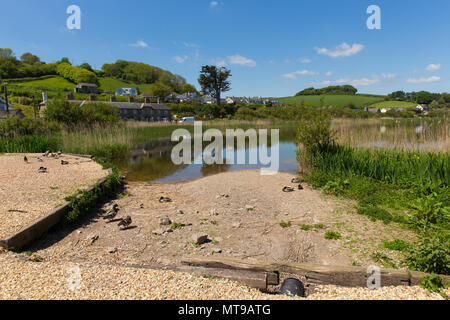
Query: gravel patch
27,280
27,195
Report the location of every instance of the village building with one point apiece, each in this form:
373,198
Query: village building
132,111
86,88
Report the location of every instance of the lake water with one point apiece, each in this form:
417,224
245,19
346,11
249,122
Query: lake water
152,163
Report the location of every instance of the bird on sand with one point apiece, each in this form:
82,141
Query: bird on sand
111,214
125,222
164,199
288,189
300,187
64,162
25,159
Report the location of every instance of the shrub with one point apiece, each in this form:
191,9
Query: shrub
432,283
397,245
331,235
76,74
315,133
284,224
13,127
430,254
90,113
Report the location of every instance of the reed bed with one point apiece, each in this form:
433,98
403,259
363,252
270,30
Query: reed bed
432,135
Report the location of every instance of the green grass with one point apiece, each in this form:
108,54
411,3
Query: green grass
394,104
111,84
332,235
334,100
49,82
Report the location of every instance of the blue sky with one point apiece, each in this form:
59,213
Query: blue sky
273,48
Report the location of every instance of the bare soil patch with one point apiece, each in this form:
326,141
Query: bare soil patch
245,215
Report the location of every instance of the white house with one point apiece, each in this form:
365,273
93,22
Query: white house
127,92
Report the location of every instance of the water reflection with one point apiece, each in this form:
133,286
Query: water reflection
152,162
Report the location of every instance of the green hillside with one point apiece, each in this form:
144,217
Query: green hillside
47,82
394,104
333,100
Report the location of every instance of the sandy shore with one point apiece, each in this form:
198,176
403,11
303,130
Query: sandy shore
26,195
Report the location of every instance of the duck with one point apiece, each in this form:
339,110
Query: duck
40,160
25,159
111,214
300,187
42,170
64,162
164,199
288,189
125,222
47,153
295,180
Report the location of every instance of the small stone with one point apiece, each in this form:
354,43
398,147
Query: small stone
213,212
161,231
165,221
217,251
112,250
200,238
236,225
249,208
92,238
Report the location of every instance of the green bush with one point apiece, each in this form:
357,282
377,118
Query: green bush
76,74
332,235
430,254
15,127
73,115
315,134
397,245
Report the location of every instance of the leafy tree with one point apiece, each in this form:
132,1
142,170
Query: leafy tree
86,66
30,58
214,81
65,60
76,74
424,97
188,88
6,53
160,90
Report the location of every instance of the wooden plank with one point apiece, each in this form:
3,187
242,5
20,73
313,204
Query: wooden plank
317,274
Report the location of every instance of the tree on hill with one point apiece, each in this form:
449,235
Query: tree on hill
160,90
6,53
142,73
186,88
424,97
331,90
86,66
30,58
214,81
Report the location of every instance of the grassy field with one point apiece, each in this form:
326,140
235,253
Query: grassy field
111,84
50,82
334,100
394,104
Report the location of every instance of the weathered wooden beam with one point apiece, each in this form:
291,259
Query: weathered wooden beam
317,274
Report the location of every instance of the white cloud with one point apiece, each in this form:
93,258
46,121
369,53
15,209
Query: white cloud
293,75
240,60
305,61
180,59
213,4
342,50
219,62
357,82
388,75
433,67
329,73
424,80
140,44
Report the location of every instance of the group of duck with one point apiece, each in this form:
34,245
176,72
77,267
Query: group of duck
48,154
110,215
290,189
